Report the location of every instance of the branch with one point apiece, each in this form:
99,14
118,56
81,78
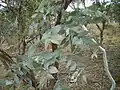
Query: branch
99,27
107,69
65,4
105,64
73,5
2,42
10,58
32,38
6,59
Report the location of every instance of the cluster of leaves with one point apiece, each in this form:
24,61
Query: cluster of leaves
39,66
112,9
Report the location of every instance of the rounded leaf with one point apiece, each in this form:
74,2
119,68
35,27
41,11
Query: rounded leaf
53,69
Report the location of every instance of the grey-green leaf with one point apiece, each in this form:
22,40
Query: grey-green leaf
53,69
77,41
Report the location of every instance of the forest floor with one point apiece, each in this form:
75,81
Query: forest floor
93,76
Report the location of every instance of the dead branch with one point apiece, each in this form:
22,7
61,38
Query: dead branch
106,68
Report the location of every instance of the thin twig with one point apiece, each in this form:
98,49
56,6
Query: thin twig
99,27
32,38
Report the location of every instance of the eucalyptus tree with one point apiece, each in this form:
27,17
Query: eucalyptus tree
59,29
